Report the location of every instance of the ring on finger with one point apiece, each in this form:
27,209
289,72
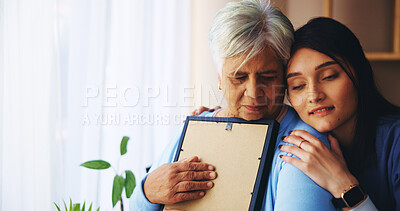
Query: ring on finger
300,143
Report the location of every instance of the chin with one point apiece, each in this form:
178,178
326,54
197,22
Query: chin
322,128
250,117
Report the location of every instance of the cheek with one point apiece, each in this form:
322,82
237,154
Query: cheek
350,101
297,101
232,94
274,89
347,95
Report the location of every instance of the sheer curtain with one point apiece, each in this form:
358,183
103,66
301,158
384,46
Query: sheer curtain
76,76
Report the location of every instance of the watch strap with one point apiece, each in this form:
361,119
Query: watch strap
350,198
339,203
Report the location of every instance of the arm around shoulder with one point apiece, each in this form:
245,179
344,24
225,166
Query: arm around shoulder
296,191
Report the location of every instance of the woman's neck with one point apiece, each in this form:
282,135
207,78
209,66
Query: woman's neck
345,133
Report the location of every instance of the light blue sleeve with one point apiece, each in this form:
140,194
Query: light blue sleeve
304,193
366,205
138,200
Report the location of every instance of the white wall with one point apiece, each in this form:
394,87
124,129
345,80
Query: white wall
204,76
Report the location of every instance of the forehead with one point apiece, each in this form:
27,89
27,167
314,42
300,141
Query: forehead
264,61
306,59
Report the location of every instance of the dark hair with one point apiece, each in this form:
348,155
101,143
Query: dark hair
335,40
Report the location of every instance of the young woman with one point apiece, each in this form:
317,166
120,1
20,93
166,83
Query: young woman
330,85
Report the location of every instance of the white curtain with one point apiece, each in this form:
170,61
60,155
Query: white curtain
76,76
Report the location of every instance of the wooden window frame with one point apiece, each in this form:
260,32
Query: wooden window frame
379,56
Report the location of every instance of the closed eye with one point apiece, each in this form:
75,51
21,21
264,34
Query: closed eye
297,87
331,77
242,78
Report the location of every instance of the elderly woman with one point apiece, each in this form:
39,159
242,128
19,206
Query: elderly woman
250,42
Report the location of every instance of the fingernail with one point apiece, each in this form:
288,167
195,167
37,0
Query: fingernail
290,132
201,193
212,175
283,137
280,146
280,156
209,184
210,168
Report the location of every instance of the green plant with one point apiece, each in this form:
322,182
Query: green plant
128,182
74,207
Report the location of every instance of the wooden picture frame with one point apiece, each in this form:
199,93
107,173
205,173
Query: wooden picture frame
242,152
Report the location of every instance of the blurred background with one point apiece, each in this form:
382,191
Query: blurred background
78,75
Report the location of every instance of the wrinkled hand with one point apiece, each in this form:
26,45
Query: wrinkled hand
201,109
327,167
180,181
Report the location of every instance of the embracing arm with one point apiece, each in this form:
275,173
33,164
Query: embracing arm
296,191
325,166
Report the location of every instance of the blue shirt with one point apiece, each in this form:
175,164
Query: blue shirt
382,181
288,188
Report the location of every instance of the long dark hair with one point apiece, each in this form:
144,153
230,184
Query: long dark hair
335,40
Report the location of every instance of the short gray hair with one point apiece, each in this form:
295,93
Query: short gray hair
249,26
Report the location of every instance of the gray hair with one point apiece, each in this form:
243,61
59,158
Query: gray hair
248,27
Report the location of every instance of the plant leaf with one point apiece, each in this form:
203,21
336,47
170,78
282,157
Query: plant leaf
58,208
83,207
77,207
65,206
98,209
124,143
70,204
118,185
130,183
90,207
96,164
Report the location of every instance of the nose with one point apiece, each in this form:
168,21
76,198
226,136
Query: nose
315,95
253,89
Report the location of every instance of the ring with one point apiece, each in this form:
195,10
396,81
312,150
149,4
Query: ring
300,143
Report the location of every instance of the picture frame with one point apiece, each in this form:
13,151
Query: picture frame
242,168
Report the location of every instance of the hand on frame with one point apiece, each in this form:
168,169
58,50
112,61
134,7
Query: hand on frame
180,181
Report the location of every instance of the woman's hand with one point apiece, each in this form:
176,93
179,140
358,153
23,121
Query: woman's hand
180,181
201,109
324,166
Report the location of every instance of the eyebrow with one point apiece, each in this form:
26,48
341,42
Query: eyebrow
325,64
244,73
292,75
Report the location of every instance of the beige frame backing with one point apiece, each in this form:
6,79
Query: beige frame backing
236,153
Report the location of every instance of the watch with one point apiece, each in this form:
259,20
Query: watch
350,198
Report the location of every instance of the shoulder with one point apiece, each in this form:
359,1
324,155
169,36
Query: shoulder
209,114
292,121
388,130
388,141
389,123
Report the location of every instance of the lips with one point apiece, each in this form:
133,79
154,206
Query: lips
254,108
321,110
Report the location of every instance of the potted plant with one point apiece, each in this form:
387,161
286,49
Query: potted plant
74,207
126,180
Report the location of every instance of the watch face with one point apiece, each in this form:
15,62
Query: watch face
353,196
